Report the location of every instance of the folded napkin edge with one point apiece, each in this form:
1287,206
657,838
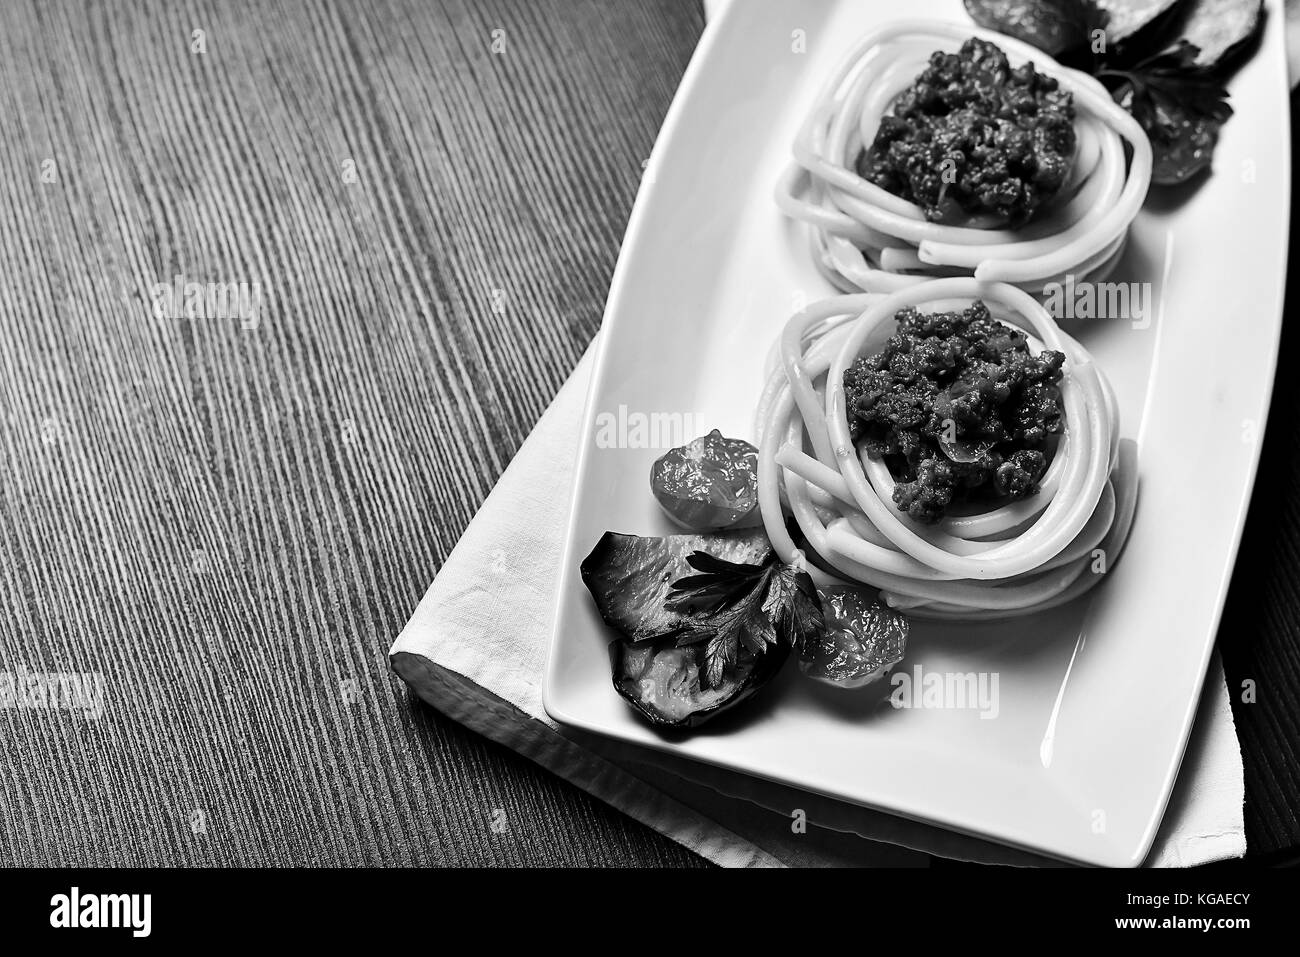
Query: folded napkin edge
485,713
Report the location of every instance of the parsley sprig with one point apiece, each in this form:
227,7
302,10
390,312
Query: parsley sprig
1162,90
733,606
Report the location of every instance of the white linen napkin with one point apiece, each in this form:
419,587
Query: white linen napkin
476,647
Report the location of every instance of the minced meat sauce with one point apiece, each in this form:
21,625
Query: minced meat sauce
974,137
959,409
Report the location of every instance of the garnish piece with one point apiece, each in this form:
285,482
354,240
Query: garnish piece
699,631
1180,105
630,576
711,482
732,606
862,640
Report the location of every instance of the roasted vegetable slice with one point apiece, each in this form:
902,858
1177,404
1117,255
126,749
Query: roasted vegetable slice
630,576
711,482
1054,26
705,620
664,683
862,640
1217,27
1124,18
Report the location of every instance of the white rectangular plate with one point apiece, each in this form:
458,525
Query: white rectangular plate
1095,700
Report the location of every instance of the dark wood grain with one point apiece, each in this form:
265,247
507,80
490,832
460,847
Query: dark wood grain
231,524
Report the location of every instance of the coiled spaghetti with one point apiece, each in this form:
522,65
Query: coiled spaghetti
1017,558
865,238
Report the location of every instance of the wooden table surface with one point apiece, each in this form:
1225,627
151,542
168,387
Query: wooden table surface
229,518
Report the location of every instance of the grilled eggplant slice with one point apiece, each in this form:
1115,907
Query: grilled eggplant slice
662,682
1219,27
1127,17
659,665
1046,24
629,576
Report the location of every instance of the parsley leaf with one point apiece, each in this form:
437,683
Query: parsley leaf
733,606
795,606
1179,104
719,583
